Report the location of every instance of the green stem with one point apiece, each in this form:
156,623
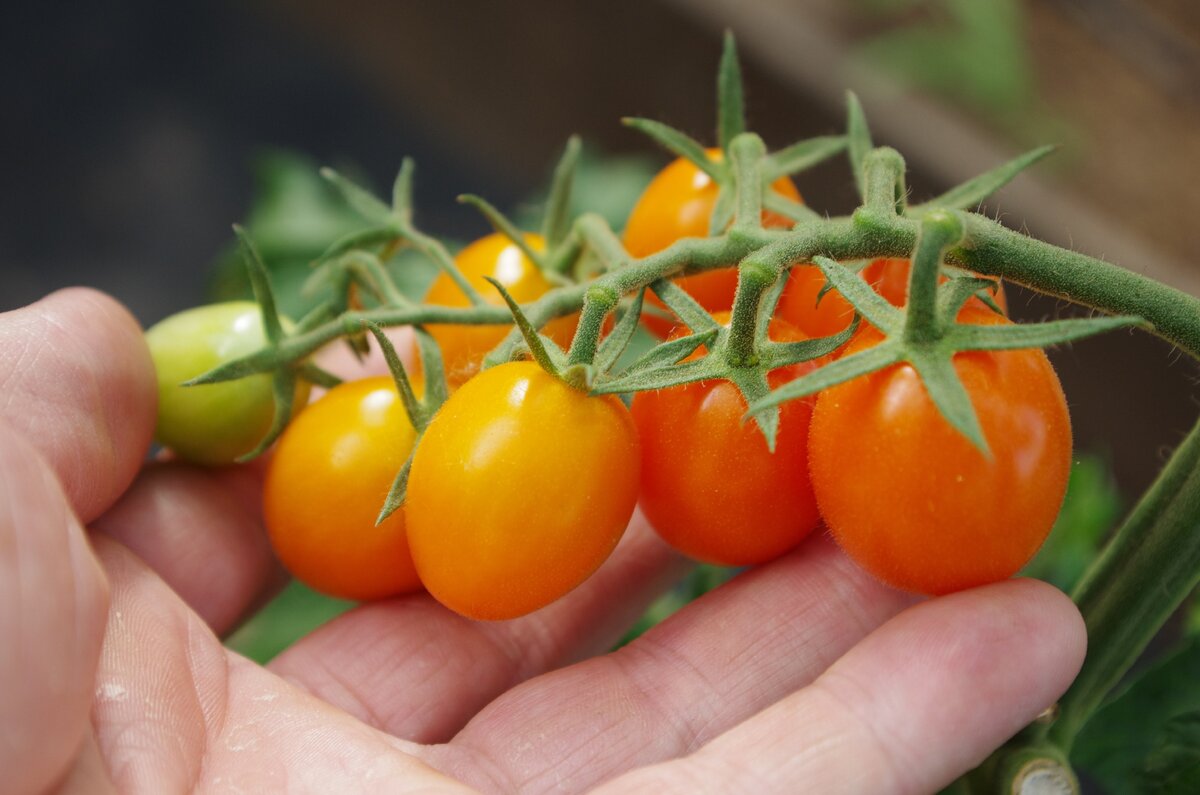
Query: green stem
1144,573
939,230
992,249
747,152
598,301
884,181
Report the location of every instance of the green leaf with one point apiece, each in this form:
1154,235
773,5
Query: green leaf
789,209
858,140
723,211
436,390
283,390
669,352
318,375
363,238
752,383
1174,767
731,110
766,307
412,406
1120,738
296,612
683,305
680,144
870,304
536,343
260,361
781,354
947,392
802,155
363,201
402,191
397,491
852,366
662,377
968,337
957,291
971,193
556,218
260,281
614,344
504,226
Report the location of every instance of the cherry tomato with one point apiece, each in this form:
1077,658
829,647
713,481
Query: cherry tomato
710,486
677,204
911,500
213,423
519,490
326,484
799,304
463,347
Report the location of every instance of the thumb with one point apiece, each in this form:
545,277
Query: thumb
53,605
77,381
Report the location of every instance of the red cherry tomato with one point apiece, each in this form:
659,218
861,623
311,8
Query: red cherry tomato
832,313
911,500
710,486
677,204
463,346
519,490
326,484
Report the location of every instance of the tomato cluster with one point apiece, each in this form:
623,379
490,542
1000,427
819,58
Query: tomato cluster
521,484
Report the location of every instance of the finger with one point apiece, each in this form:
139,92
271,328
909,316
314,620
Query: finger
339,359
77,381
53,599
915,705
715,663
201,531
418,671
176,712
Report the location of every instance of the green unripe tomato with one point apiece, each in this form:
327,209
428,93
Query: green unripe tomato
212,423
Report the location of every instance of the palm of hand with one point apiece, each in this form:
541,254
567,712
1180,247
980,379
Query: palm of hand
801,674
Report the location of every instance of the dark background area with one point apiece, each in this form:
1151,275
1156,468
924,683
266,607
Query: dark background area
133,127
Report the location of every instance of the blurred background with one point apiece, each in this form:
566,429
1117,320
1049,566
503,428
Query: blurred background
137,131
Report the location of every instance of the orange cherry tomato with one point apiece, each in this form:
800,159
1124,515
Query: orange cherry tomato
832,313
710,486
677,204
326,484
463,346
519,490
915,503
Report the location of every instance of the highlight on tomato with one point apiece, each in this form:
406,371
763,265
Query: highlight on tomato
803,305
212,424
709,485
520,488
911,500
326,483
676,204
495,256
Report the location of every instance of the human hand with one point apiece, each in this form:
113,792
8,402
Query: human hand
801,675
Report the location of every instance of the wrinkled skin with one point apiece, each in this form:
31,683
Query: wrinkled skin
117,582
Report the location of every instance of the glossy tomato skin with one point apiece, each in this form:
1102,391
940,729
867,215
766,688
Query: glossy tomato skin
463,347
212,424
519,490
326,484
710,486
911,500
676,204
799,304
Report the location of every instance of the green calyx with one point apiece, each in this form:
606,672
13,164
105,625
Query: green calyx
926,334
